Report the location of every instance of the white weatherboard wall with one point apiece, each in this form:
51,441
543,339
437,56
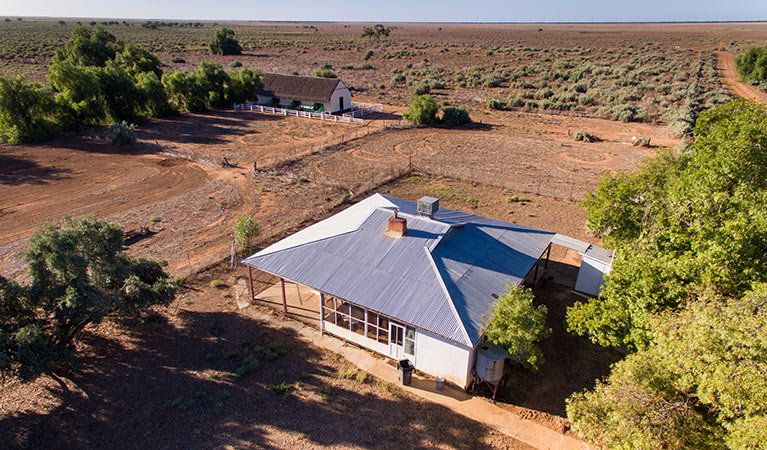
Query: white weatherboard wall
591,275
341,91
438,356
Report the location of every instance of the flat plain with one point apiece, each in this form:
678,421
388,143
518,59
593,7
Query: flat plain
529,89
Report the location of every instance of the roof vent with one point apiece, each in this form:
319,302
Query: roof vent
428,206
397,225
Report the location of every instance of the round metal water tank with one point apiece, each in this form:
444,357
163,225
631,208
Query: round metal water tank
489,364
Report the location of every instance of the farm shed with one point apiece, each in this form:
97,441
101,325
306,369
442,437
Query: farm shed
407,279
316,93
596,262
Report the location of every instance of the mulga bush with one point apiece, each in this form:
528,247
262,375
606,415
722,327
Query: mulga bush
494,103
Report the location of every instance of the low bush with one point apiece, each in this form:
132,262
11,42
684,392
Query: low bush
325,73
453,116
494,103
178,60
121,134
585,137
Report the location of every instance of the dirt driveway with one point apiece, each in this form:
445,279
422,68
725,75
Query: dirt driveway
728,75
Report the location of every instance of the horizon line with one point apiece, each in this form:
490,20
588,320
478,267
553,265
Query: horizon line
616,22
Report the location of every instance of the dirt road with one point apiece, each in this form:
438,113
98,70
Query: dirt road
729,77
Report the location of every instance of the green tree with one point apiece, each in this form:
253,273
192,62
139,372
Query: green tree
213,79
517,325
155,101
245,229
752,65
422,110
77,102
684,225
185,91
86,48
378,31
224,43
26,111
79,273
242,85
136,60
699,385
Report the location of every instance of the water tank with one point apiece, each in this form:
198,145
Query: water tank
489,364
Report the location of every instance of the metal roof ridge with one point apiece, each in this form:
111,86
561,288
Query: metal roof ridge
449,297
298,245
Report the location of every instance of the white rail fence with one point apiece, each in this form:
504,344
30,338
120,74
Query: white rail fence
360,109
292,112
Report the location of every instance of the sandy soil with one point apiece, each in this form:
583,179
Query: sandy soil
729,78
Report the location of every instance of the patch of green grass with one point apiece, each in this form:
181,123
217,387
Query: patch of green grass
517,199
392,389
283,389
326,393
155,219
248,364
217,284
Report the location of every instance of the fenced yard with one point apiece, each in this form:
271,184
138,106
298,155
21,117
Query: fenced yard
360,109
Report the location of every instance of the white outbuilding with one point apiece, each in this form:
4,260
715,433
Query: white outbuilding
313,93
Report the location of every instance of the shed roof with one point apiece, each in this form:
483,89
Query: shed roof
440,276
293,87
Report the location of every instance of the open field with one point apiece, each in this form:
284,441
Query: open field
636,72
174,182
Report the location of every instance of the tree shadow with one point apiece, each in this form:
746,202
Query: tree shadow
171,384
15,171
211,127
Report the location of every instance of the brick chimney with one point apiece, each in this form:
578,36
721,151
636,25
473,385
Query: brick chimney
397,225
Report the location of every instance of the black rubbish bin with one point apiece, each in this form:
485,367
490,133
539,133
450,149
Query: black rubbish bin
405,371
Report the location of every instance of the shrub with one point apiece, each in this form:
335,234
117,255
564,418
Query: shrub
325,73
585,137
422,111
494,103
453,116
217,284
517,199
642,142
224,43
368,55
235,64
178,60
421,88
245,229
627,113
121,134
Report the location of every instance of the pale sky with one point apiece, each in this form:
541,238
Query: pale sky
399,10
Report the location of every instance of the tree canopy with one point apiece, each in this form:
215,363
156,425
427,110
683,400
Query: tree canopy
687,295
422,110
224,43
682,225
79,274
752,65
517,325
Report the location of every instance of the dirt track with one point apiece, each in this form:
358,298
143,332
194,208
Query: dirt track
729,77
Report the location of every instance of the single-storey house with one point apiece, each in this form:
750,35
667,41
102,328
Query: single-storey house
408,279
319,94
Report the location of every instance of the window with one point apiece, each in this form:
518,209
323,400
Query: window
328,309
410,341
357,319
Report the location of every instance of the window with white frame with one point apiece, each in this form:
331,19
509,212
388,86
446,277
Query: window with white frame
354,318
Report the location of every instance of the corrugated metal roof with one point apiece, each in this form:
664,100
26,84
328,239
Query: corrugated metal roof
439,276
294,87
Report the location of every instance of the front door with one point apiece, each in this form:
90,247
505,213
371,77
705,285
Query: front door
396,340
341,103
